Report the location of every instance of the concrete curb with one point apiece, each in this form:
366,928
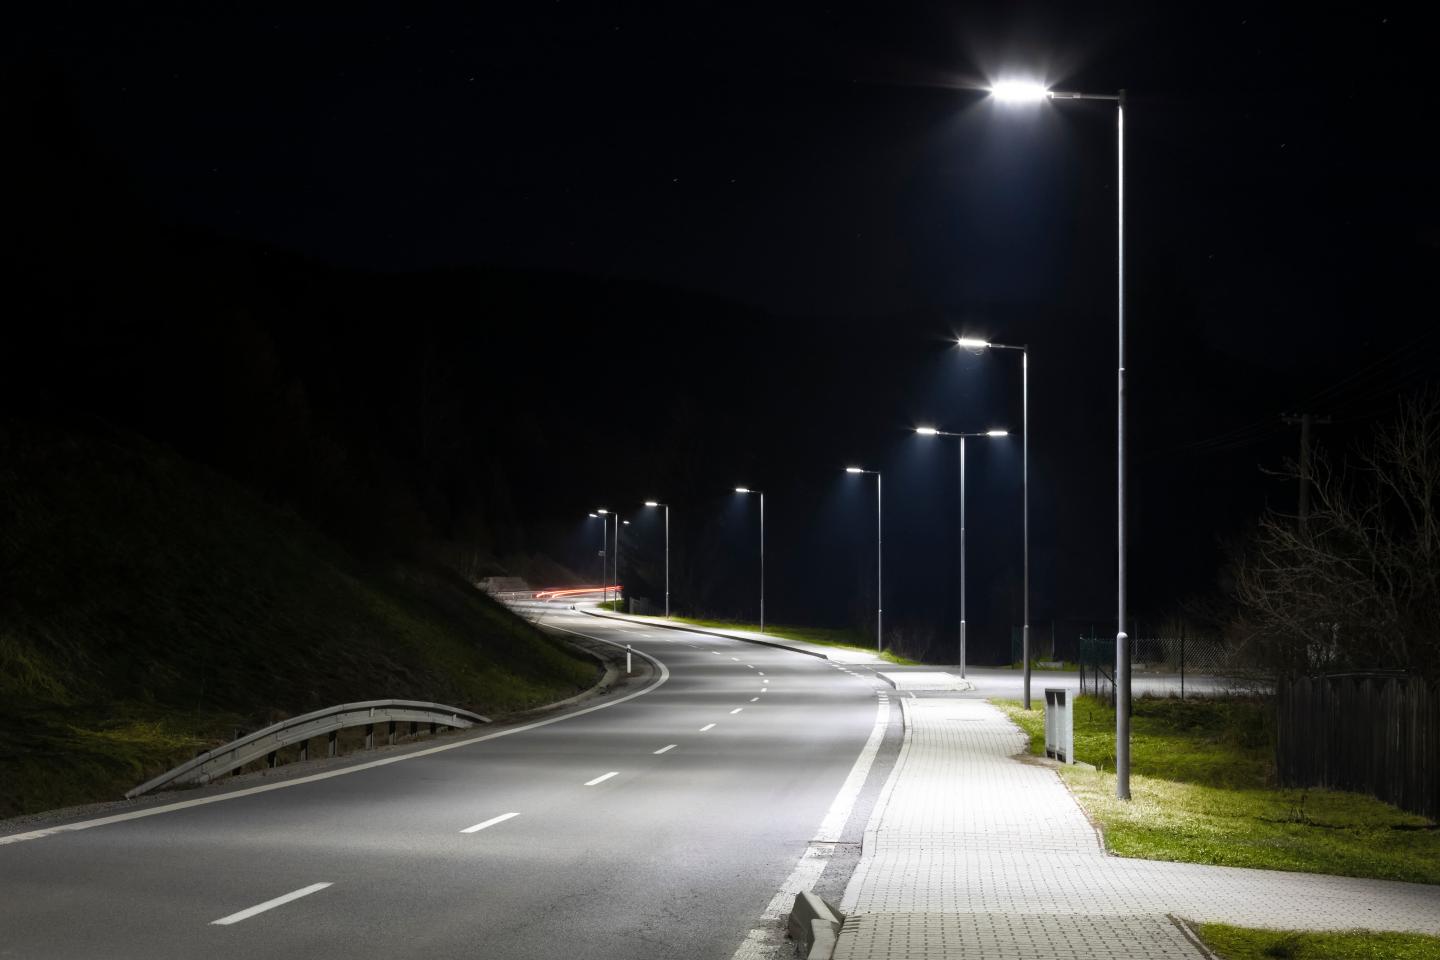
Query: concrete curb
814,926
689,629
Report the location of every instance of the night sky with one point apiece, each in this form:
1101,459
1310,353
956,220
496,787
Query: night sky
763,223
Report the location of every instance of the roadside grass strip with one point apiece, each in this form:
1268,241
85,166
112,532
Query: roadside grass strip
1202,787
1243,943
490,823
249,912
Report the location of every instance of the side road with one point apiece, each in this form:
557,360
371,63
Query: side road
973,849
837,654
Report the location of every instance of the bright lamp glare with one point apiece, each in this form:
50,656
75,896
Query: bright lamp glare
997,433
853,470
594,514
742,489
651,503
971,343
927,431
1019,91
602,510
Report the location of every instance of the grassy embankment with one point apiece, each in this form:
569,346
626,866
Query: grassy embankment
1240,943
149,607
825,636
1202,792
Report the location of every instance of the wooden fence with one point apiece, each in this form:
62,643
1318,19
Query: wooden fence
1369,733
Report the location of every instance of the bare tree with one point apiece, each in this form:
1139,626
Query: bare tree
1358,587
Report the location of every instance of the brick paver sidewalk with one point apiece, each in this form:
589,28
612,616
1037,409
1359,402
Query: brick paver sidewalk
971,852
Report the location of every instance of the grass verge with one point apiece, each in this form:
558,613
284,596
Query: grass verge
1201,793
1242,943
825,636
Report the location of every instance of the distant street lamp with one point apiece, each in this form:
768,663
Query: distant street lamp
604,516
879,558
970,343
932,432
654,503
1029,92
761,493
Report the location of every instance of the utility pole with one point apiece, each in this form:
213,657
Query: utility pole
1306,421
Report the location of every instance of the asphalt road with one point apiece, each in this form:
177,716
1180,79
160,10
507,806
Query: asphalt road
592,842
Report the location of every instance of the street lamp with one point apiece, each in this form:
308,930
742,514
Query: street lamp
1017,92
970,343
761,493
656,503
933,432
605,516
879,558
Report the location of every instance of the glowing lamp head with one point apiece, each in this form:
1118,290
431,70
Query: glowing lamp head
596,515
602,511
971,343
652,503
1019,91
742,489
625,522
997,433
853,470
927,431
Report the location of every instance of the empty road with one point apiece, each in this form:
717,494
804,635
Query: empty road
660,826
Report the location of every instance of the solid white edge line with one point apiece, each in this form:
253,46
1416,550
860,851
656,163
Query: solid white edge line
706,727
269,905
762,940
602,778
490,823
666,749
265,788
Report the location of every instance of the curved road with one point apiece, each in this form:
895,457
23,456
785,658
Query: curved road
660,826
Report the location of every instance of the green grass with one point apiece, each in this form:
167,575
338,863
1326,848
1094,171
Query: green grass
1201,788
1241,943
825,636
149,606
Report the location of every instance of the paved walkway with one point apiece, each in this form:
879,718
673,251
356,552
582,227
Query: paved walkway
973,853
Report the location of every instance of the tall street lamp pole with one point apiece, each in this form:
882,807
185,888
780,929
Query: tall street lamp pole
604,538
879,558
972,344
1018,92
932,432
655,503
762,550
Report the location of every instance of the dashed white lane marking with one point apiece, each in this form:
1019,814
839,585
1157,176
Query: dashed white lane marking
489,823
665,749
707,726
736,659
246,914
716,652
762,673
753,699
736,710
764,681
602,778
763,940
750,665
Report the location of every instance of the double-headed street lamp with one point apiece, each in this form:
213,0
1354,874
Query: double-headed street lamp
1026,92
933,432
970,343
879,557
761,494
656,503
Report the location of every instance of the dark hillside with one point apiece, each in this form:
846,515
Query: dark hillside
149,605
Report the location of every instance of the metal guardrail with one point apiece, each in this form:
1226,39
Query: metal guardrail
331,720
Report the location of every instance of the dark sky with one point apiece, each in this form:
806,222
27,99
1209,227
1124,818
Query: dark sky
838,170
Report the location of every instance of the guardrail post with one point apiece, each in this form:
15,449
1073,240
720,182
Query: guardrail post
270,759
304,749
369,736
332,746
390,734
433,727
414,727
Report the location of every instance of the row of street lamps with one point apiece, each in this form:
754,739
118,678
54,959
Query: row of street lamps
1009,92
